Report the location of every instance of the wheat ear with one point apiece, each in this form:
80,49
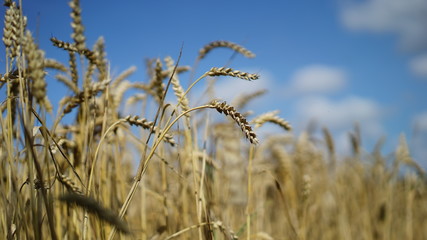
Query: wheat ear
64,45
241,101
35,58
12,32
179,69
68,82
79,98
225,44
223,107
222,71
77,25
122,76
176,85
101,54
91,205
156,84
144,123
52,63
272,118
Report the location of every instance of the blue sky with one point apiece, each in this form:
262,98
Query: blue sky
337,62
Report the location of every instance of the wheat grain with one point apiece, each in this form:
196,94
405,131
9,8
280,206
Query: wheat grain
223,107
144,123
125,74
288,188
64,142
273,118
80,97
52,63
330,146
8,3
35,58
156,84
119,91
179,69
14,92
146,88
402,151
73,68
14,25
77,25
243,100
69,184
141,122
284,169
88,73
135,98
176,85
9,30
99,49
306,187
226,44
64,45
67,82
90,55
222,71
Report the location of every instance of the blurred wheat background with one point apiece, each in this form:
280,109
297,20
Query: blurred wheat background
165,157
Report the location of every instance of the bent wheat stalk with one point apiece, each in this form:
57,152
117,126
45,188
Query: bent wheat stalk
221,107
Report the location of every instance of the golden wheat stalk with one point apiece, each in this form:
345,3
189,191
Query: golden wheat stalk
223,107
225,44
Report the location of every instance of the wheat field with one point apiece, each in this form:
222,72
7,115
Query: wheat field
181,169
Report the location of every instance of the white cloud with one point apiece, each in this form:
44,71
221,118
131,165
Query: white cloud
317,79
420,122
341,115
419,66
407,18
